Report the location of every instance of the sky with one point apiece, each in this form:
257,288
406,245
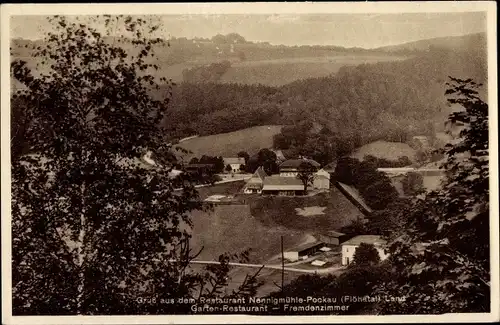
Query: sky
348,30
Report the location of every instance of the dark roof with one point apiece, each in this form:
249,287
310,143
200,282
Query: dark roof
367,239
333,233
280,180
295,163
234,161
304,247
200,165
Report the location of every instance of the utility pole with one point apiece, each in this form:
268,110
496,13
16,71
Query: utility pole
282,268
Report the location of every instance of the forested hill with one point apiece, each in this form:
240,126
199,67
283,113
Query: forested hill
471,42
379,101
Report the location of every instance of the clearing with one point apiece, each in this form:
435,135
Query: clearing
232,229
229,144
283,211
386,150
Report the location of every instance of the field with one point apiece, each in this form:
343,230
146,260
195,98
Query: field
283,71
386,150
229,144
282,211
232,229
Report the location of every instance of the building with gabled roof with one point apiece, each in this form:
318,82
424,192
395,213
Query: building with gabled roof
349,247
290,167
235,163
256,182
321,180
279,185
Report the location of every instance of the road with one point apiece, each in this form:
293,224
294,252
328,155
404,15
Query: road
274,267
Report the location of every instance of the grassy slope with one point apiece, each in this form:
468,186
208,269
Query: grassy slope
385,149
229,144
280,211
232,229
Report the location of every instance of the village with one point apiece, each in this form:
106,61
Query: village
325,251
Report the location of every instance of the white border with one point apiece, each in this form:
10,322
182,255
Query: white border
246,8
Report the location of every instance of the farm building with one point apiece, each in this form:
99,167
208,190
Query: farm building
290,168
303,252
201,169
256,182
349,247
279,185
331,237
321,180
235,164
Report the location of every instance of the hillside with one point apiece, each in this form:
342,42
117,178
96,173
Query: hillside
229,144
232,229
251,63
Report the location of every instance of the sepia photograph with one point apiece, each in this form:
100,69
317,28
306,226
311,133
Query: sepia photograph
199,163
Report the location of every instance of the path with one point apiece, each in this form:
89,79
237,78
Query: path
274,267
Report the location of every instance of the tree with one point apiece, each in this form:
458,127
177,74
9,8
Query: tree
267,159
306,173
82,209
413,184
229,168
244,154
441,258
366,254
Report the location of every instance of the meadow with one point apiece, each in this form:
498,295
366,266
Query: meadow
229,144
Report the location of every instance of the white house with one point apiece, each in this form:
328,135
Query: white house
349,247
321,180
235,164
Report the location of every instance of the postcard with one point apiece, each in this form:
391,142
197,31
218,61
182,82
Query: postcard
229,163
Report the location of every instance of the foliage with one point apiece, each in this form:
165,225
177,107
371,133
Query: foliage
244,154
441,257
413,184
386,163
266,159
84,209
306,173
218,163
375,187
205,74
366,254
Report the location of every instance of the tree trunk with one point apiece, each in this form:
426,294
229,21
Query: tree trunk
81,256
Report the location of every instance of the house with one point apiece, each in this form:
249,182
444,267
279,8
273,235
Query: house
235,164
331,237
304,251
200,169
349,247
290,167
279,185
321,180
256,182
